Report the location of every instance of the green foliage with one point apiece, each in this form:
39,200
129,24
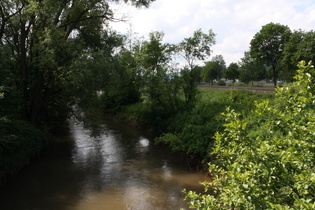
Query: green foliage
152,59
214,69
197,47
137,3
192,131
232,72
300,47
189,85
148,115
192,49
1,93
42,46
251,69
268,45
221,83
137,113
265,160
19,142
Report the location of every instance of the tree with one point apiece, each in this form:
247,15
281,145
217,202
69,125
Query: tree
152,59
268,46
301,46
232,72
219,66
43,39
266,160
251,69
197,73
214,69
192,49
196,47
102,67
206,74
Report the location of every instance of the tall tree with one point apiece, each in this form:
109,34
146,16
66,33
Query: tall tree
219,66
192,49
268,45
197,47
152,60
214,69
207,73
43,39
301,46
250,69
232,72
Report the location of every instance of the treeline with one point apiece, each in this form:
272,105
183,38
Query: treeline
274,52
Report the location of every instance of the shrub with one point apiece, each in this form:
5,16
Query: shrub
192,131
19,142
221,83
266,159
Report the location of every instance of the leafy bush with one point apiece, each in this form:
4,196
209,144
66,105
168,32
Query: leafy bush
221,83
19,142
113,100
192,131
266,160
137,113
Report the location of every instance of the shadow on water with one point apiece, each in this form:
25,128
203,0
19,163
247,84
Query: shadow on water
101,166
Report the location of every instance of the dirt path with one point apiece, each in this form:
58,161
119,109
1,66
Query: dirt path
253,89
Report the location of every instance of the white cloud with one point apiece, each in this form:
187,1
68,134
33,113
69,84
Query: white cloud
234,21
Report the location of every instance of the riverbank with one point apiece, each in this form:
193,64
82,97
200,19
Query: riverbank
19,143
102,165
190,131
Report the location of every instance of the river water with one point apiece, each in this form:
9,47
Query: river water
111,166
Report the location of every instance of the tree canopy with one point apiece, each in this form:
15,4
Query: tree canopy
232,72
41,41
251,69
197,47
214,69
300,47
268,46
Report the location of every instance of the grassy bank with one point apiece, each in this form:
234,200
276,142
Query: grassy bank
191,130
19,143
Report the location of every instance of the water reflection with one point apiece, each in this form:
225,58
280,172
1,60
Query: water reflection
116,169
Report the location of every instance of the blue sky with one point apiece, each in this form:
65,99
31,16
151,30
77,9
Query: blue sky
234,22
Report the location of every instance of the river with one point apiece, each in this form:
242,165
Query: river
111,166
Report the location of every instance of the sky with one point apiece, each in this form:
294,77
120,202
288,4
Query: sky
235,22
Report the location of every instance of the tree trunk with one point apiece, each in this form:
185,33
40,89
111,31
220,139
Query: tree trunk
274,75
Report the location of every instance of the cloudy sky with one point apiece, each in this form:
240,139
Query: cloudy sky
234,22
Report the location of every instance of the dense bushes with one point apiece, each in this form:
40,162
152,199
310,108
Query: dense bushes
265,159
192,131
19,142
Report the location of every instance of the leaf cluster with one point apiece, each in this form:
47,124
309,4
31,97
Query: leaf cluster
266,160
196,47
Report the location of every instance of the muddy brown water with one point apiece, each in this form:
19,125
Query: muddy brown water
111,167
